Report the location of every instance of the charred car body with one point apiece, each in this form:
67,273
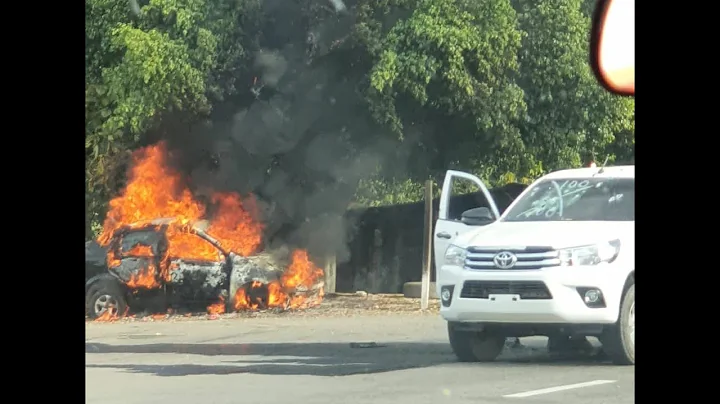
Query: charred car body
137,268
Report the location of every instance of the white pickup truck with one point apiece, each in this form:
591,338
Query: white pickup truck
559,262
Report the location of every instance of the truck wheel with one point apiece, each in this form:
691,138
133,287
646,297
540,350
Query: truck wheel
105,295
618,340
473,346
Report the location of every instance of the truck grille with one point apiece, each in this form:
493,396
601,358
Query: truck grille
481,258
528,290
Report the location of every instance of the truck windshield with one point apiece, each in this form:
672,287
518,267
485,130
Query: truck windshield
578,199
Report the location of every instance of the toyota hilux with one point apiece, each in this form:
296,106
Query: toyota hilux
558,262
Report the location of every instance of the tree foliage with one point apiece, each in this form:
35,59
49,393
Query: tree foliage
498,87
449,67
570,119
143,63
563,117
457,57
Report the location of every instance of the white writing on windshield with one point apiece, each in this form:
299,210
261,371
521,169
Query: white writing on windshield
556,197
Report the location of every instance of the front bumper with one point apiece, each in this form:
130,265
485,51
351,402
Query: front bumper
565,305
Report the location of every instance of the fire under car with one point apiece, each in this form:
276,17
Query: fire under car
138,268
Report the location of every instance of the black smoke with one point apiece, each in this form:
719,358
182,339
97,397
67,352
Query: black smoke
300,140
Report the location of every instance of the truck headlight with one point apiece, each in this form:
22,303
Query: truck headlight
455,255
590,254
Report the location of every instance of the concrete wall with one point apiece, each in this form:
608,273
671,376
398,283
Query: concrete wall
386,248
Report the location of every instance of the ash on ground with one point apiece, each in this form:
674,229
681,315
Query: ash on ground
333,305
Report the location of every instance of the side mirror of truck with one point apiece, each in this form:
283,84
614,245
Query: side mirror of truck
477,217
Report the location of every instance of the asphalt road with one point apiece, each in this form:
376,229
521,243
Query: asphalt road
310,360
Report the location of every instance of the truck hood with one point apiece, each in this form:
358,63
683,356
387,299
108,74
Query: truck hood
561,234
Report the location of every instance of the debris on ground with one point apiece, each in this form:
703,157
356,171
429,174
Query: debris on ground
334,305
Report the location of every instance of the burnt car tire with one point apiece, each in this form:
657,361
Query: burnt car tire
618,340
473,346
104,294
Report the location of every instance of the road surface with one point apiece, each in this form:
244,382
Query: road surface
310,360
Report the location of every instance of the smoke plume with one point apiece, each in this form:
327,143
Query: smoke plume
290,145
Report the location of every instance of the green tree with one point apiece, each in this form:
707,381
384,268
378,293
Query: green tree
449,67
143,64
376,191
570,118
501,88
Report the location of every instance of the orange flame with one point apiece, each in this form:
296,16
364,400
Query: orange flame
217,308
233,225
111,315
148,277
301,274
107,316
244,301
154,191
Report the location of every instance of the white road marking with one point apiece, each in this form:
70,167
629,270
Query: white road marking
558,388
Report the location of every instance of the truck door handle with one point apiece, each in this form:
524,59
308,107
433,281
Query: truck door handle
443,234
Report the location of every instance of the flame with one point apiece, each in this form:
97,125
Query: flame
301,274
153,191
244,301
111,315
217,308
182,243
276,295
156,191
233,225
148,277
107,316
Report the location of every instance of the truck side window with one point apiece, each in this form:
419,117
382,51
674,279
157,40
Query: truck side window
465,195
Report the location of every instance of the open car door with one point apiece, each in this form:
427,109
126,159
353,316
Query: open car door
449,224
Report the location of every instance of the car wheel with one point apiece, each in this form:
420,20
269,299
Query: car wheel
473,346
619,339
104,296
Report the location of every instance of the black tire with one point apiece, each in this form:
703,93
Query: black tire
618,340
108,291
473,346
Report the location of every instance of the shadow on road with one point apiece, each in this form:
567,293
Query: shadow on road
316,359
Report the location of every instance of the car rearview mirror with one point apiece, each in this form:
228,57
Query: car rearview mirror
612,45
477,217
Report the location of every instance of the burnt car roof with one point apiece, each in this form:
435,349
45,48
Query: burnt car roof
199,225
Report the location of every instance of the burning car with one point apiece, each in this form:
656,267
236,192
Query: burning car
160,246
142,267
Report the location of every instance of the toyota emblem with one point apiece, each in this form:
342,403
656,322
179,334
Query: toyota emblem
505,260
